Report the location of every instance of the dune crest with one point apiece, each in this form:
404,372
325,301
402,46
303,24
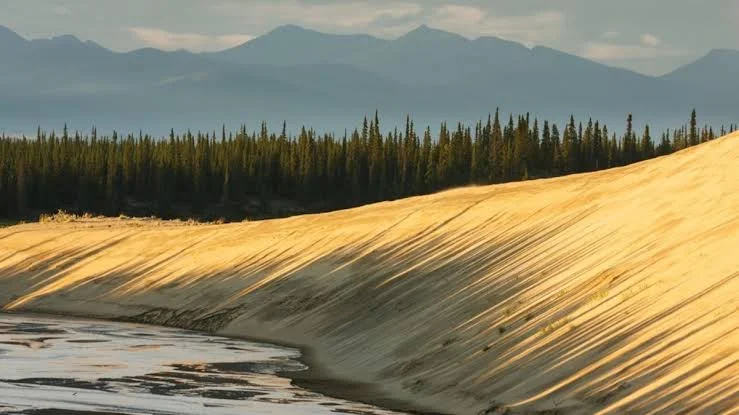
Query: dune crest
606,292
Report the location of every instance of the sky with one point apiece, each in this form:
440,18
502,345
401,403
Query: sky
648,36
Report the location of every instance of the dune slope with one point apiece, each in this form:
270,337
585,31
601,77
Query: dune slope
608,292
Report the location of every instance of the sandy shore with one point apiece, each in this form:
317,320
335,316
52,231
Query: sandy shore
607,292
112,367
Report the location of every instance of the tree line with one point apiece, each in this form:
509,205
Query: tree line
242,174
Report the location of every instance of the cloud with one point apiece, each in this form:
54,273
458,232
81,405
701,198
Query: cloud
460,14
651,40
195,42
233,40
473,21
60,10
614,52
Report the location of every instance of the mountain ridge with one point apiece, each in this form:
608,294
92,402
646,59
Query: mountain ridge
715,69
433,74
293,29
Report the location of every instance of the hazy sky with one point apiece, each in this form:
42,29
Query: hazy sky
650,36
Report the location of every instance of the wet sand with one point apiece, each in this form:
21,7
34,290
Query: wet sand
318,378
98,367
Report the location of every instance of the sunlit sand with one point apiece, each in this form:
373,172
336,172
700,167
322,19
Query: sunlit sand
607,292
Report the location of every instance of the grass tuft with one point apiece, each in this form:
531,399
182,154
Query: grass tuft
554,326
62,216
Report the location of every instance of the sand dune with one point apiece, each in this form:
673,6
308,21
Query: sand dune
608,292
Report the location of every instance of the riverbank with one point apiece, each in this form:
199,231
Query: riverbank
606,292
318,377
114,367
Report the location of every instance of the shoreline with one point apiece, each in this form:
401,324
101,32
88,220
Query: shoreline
319,378
316,378
578,295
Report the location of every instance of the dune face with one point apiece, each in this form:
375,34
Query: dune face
609,292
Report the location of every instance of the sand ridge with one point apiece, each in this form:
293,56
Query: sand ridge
605,292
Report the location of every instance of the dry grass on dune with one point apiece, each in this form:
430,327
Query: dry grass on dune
607,292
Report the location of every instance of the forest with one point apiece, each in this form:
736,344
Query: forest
237,175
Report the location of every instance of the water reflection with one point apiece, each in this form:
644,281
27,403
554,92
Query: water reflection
50,365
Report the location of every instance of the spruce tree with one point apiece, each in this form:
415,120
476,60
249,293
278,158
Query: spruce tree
693,137
646,146
197,174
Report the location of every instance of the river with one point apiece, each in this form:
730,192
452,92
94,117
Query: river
52,365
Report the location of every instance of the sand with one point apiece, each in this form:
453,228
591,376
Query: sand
610,292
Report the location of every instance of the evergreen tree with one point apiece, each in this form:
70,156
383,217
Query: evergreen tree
21,187
497,151
646,146
197,174
693,137
112,180
547,150
558,155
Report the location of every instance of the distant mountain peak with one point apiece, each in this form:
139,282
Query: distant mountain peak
427,32
289,26
61,40
717,67
295,45
66,39
291,29
293,26
67,42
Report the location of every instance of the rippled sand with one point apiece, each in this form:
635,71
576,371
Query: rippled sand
610,292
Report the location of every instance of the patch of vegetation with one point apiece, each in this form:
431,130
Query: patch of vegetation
598,296
633,292
562,293
62,216
552,327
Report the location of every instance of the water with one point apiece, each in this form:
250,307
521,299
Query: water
52,365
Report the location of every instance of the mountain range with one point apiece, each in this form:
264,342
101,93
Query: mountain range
331,81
